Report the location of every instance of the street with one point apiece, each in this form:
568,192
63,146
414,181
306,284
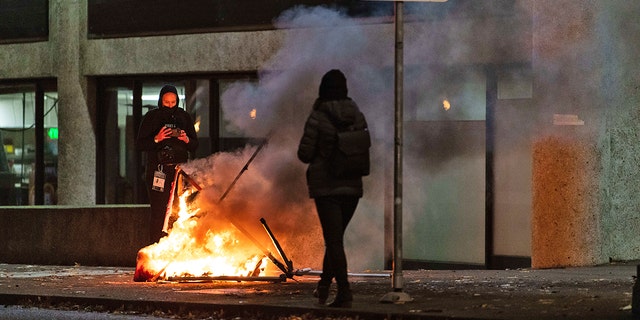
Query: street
29,313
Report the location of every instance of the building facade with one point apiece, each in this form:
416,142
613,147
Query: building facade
519,123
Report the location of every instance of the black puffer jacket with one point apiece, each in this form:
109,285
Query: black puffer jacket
317,144
157,118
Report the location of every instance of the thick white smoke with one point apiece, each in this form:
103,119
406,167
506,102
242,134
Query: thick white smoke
274,186
316,40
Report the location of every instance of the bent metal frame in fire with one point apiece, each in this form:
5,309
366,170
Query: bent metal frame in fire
152,257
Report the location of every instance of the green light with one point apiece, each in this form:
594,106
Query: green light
52,133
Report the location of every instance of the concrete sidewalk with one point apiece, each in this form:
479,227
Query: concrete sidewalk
601,292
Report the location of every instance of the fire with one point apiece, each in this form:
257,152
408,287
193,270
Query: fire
183,254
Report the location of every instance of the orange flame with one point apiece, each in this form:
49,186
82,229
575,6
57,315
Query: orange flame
181,254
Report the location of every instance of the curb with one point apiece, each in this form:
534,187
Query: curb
191,309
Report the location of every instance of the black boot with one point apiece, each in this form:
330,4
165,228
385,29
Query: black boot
322,293
343,299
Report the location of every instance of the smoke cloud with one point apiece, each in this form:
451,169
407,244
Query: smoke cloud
319,39
274,184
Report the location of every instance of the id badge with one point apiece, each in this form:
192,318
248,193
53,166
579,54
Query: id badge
158,181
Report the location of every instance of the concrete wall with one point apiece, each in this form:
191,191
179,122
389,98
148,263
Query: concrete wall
58,235
586,205
566,203
38,63
180,53
618,142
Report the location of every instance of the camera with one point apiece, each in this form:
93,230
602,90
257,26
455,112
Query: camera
175,132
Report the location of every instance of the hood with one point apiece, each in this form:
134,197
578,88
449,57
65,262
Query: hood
165,89
333,86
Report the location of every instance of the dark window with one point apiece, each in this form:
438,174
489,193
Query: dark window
24,20
121,18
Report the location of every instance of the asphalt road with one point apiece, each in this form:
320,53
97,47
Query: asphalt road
30,313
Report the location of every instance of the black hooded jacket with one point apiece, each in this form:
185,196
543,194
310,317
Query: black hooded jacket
319,137
317,144
157,118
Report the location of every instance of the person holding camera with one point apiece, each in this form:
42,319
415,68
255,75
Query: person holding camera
168,136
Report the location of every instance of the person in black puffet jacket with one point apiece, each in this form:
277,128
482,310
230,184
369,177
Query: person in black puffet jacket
167,135
336,199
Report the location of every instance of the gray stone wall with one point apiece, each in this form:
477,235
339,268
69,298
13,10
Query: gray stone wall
619,141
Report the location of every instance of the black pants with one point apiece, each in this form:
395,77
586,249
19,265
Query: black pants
159,201
335,212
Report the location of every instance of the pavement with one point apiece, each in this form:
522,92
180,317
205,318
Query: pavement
599,292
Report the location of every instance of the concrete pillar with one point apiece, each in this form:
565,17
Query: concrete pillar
565,224
566,161
77,148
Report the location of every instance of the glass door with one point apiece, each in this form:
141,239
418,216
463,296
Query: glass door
444,168
29,154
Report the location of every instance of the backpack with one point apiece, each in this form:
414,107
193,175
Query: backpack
350,156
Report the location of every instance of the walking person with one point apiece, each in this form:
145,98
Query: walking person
336,197
168,136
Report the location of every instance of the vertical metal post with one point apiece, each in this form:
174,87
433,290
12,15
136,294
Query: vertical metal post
39,176
397,177
397,296
139,189
491,100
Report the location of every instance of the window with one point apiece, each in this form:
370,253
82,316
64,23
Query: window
29,135
24,20
122,18
450,94
122,104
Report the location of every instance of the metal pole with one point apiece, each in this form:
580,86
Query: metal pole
397,177
397,296
39,176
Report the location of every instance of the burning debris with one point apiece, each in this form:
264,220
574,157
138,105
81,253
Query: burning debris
220,253
178,254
